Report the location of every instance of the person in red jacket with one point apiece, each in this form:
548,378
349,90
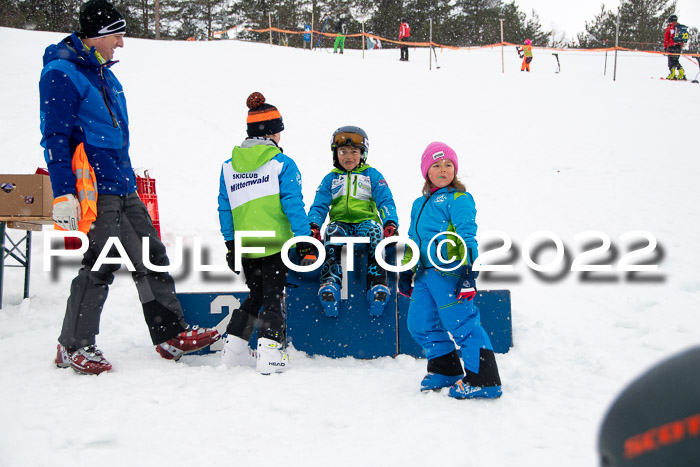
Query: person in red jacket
674,49
404,35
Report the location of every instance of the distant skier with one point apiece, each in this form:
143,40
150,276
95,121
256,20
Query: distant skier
373,42
306,37
342,30
674,49
525,52
404,35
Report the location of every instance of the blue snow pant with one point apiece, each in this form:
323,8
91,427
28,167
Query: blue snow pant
434,312
331,271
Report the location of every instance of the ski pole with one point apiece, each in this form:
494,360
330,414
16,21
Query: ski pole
436,60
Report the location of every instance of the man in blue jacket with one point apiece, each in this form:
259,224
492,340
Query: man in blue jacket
82,102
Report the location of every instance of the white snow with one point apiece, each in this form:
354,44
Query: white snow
567,153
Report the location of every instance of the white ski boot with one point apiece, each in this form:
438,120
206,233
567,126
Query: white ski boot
237,353
270,357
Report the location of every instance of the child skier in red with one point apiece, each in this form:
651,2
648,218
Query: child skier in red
674,49
441,313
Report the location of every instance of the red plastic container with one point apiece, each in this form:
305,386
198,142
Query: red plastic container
71,243
146,188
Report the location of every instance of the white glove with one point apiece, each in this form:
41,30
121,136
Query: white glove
66,212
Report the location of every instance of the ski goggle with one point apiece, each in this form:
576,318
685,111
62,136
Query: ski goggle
346,139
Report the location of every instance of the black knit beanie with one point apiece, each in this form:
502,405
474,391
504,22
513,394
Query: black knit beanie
99,18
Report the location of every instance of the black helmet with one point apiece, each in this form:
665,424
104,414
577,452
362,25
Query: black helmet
655,420
349,136
672,19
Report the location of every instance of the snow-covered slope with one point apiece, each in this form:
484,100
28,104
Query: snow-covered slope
566,153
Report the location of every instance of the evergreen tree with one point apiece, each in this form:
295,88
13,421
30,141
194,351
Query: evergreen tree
9,14
472,20
600,32
642,24
418,13
643,21
388,19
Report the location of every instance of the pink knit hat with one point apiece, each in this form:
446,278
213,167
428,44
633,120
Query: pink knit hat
433,153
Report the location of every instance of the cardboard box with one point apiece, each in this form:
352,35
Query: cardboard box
25,196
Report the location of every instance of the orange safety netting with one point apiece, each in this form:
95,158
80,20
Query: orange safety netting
452,47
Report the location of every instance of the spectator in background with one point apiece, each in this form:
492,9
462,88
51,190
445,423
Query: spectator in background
373,42
306,37
342,30
404,35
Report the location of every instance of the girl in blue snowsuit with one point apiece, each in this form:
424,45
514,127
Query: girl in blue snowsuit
444,283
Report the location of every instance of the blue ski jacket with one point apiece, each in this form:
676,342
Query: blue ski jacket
445,210
81,101
357,196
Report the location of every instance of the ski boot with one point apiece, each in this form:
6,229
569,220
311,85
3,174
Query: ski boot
237,352
270,357
443,372
435,381
486,384
672,75
681,74
377,297
329,296
463,390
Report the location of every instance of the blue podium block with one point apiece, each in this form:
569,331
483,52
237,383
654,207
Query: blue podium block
353,333
209,310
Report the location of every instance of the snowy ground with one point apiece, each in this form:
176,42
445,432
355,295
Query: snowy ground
567,153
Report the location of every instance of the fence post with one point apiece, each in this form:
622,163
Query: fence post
605,69
363,39
269,24
503,60
617,37
430,51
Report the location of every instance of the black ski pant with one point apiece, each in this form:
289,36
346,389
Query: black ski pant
124,218
404,50
674,60
266,277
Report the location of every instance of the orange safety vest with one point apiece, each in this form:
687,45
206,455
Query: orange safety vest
85,182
